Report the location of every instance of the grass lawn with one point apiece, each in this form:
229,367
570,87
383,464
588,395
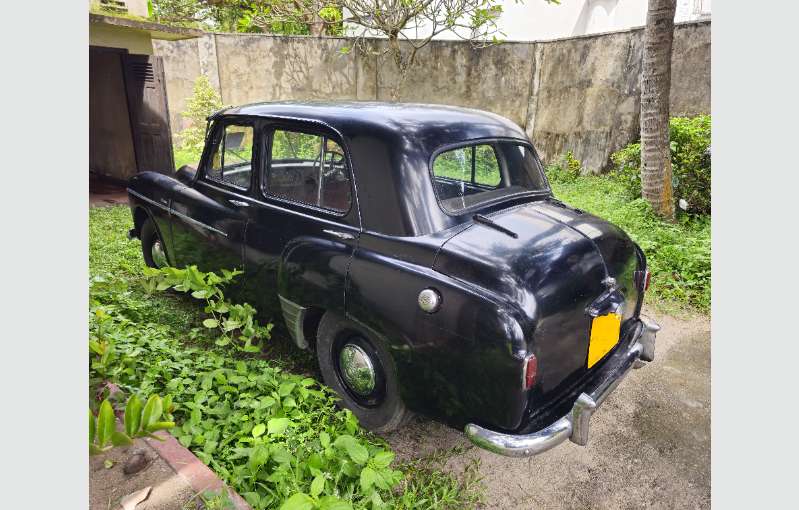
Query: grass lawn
274,435
678,253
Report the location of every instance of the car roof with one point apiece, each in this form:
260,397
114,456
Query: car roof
391,146
351,118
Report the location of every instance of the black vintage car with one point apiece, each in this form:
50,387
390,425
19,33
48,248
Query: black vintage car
419,251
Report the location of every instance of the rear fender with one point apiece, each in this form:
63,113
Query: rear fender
462,363
311,279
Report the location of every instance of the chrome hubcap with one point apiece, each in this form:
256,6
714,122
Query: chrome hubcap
357,369
157,252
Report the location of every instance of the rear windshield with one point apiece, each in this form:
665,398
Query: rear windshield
473,175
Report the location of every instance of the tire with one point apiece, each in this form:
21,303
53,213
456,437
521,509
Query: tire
149,237
382,410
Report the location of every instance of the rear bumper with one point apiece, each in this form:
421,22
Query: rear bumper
575,424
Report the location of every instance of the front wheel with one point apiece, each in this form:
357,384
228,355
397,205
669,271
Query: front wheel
362,372
152,246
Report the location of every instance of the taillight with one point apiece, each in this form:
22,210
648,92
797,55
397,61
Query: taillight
646,280
530,371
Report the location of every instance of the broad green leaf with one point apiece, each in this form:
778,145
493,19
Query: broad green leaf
299,501
222,341
152,411
210,323
281,455
368,479
252,498
92,426
105,423
132,415
258,430
333,503
324,439
357,452
317,486
383,459
258,457
277,425
120,439
285,388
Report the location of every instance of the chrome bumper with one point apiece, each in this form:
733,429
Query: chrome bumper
574,425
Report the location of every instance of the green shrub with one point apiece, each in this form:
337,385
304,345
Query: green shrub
678,253
565,169
204,101
690,159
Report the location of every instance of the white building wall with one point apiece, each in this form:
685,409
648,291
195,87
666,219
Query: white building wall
536,20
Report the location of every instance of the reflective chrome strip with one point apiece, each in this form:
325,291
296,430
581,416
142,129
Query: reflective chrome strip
148,200
198,223
176,213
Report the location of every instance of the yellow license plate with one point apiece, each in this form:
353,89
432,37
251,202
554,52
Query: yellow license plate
605,331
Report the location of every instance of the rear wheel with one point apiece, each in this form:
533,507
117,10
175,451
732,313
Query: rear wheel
152,246
361,370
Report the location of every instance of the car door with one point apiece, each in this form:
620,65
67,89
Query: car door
209,217
304,228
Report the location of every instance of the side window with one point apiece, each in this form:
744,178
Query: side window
308,168
231,160
475,164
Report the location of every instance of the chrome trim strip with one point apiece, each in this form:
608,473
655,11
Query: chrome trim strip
575,425
148,200
294,315
198,223
176,213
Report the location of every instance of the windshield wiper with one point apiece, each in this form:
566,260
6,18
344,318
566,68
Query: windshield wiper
479,218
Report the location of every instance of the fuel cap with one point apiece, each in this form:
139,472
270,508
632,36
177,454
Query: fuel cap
429,300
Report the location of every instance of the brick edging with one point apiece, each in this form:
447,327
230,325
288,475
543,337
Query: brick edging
187,465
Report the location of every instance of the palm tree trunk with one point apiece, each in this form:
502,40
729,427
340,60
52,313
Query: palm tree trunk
655,87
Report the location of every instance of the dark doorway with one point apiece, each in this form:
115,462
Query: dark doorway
128,115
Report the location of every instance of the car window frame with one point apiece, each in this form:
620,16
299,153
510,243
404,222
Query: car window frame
207,158
269,129
491,202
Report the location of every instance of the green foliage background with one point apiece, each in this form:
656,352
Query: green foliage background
690,158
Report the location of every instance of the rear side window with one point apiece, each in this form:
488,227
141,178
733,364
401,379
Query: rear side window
308,168
470,176
231,160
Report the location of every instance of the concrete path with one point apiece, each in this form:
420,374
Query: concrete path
649,446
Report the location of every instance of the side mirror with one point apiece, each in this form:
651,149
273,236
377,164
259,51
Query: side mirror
186,174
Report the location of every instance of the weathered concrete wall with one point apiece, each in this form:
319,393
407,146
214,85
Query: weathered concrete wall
181,68
256,68
496,78
580,94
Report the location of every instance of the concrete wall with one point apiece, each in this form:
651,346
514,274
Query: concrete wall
580,94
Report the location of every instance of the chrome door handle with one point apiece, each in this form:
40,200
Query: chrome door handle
239,203
341,235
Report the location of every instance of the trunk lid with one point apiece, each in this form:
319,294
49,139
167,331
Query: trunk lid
550,273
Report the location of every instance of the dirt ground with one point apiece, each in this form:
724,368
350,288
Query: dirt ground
649,445
107,486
